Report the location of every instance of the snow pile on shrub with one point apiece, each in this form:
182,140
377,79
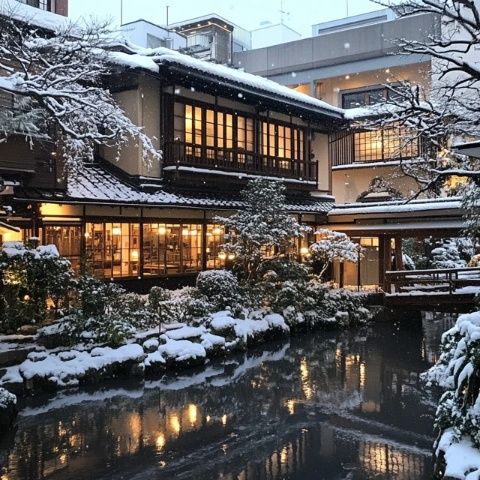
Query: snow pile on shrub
71,367
447,256
458,415
8,410
7,399
249,330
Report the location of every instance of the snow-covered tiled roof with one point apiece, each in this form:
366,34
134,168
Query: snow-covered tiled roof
95,184
152,59
448,203
31,15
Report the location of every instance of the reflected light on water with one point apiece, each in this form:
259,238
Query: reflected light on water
192,414
305,376
290,404
160,441
224,420
175,424
362,375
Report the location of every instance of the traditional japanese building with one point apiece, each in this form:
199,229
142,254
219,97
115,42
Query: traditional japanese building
218,127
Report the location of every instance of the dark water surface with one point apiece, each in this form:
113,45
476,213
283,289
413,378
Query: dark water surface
330,406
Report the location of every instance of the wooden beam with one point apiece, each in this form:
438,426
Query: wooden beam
398,254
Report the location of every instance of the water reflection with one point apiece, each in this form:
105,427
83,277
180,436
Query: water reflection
327,406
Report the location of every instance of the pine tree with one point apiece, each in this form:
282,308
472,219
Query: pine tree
262,229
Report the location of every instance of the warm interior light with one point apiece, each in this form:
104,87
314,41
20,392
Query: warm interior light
304,251
231,256
222,255
217,231
116,231
160,441
193,232
185,231
162,230
134,255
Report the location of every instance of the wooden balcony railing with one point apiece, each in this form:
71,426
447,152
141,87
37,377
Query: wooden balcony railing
348,147
234,160
448,280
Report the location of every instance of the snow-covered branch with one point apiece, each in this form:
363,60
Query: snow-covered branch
57,85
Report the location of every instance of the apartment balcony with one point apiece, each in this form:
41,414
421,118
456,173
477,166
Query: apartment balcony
187,157
376,146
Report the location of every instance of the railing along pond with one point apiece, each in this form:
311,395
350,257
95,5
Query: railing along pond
447,280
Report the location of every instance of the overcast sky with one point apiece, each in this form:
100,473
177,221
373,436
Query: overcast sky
246,13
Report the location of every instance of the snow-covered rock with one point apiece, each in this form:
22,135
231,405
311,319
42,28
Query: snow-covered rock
182,351
68,369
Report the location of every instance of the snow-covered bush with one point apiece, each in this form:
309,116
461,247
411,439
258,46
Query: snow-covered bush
334,246
173,306
101,312
220,287
457,371
408,263
262,229
285,269
447,255
31,277
8,410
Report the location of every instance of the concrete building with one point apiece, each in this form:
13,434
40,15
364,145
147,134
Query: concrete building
149,35
212,37
347,63
273,34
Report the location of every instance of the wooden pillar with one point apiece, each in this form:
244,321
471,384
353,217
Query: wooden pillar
381,261
141,242
342,275
204,241
384,259
398,253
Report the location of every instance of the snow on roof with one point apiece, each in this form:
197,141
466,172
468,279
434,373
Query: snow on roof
32,15
92,183
358,113
149,59
397,206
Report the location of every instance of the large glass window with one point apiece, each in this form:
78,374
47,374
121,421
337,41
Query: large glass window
371,96
283,142
215,239
113,249
205,127
67,239
171,248
385,144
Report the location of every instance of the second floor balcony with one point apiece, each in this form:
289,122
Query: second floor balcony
219,139
180,154
372,146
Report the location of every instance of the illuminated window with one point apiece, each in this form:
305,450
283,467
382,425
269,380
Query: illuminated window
214,253
113,249
171,248
283,142
385,144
